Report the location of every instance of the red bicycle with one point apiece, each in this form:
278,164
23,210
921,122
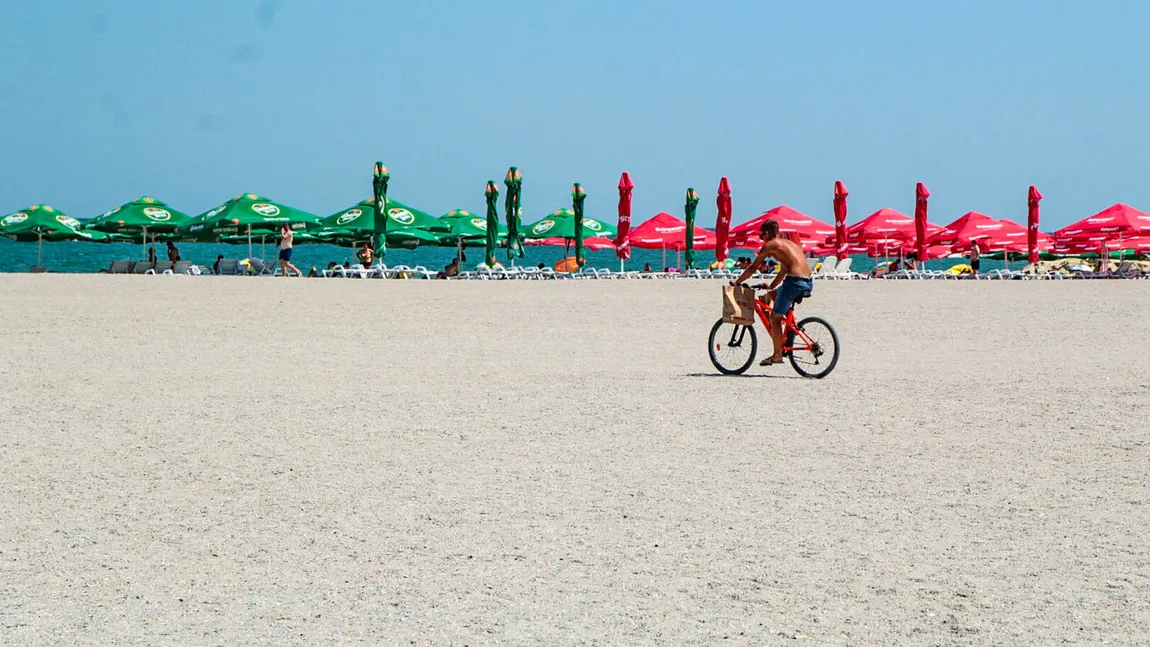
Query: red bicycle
811,344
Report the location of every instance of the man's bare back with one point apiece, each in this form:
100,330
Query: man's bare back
789,254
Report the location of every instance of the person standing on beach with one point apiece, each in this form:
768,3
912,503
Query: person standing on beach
152,255
974,257
173,253
794,276
285,243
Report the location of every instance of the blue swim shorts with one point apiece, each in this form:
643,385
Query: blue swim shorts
792,288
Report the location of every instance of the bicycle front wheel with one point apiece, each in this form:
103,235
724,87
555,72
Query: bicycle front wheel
815,350
732,347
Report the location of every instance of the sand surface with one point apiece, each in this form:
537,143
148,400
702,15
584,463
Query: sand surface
232,461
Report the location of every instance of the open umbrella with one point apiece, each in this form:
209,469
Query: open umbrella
491,193
560,225
1113,223
812,234
921,196
361,218
623,239
248,214
664,231
514,183
137,219
723,221
840,210
1033,197
690,208
41,222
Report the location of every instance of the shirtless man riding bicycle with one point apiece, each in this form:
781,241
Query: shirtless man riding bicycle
794,276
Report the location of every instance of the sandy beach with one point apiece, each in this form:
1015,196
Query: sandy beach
239,461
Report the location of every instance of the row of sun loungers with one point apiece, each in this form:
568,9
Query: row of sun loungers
828,269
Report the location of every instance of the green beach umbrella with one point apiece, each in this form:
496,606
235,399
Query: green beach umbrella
578,195
511,211
691,207
247,214
41,222
561,224
145,214
361,217
134,221
379,181
492,194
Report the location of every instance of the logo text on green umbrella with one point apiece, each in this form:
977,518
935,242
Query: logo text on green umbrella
159,215
543,226
402,216
479,223
348,216
266,210
13,219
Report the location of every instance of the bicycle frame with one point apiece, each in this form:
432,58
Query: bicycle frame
791,332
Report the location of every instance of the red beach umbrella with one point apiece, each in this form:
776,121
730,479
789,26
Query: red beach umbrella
921,195
811,233
623,238
1032,200
723,222
841,194
664,231
885,226
1112,223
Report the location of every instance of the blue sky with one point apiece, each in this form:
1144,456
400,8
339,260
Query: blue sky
197,102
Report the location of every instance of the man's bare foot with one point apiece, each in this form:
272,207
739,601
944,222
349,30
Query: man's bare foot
771,361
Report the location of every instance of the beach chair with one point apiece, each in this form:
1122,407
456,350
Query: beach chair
120,267
258,268
38,269
421,272
229,267
843,271
826,269
159,267
182,267
141,267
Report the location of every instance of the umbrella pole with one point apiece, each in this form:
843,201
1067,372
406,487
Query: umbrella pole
39,248
664,255
249,241
144,240
263,249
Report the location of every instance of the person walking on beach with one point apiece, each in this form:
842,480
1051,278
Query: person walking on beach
285,243
173,253
152,255
792,281
974,257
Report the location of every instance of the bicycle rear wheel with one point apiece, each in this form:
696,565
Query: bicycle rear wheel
732,347
817,357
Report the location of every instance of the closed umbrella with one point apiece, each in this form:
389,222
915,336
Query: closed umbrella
691,207
1032,216
578,195
623,239
492,194
921,195
379,180
723,221
514,183
840,208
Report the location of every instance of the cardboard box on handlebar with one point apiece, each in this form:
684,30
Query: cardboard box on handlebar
738,305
